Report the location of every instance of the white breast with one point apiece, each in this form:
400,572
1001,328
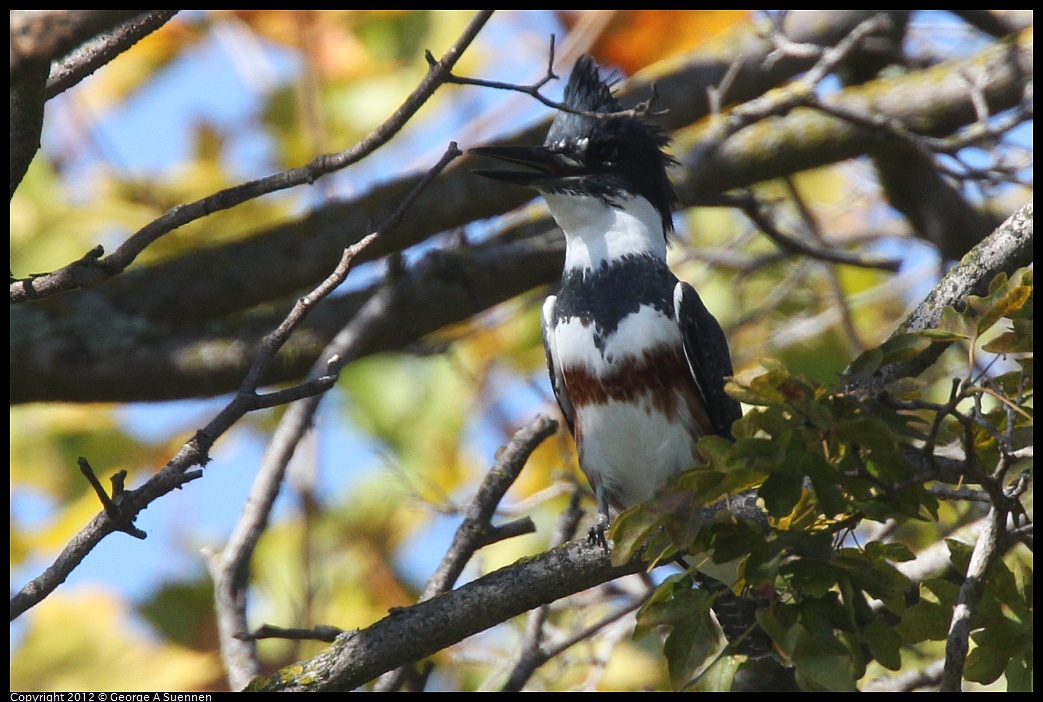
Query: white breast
625,444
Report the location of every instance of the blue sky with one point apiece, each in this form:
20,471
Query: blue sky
150,133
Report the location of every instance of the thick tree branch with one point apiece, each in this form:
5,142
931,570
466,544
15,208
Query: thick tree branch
103,48
986,550
424,629
475,530
152,302
1007,249
42,36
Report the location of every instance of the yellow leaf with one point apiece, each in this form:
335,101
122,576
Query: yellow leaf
85,642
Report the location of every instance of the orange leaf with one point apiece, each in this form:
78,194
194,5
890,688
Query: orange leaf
634,39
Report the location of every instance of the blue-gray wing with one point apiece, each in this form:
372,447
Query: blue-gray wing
557,381
706,349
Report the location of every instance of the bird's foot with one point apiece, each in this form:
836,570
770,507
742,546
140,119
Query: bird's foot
596,535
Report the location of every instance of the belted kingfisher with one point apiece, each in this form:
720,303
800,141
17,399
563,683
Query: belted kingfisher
636,361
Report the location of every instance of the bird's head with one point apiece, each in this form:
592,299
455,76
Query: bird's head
609,158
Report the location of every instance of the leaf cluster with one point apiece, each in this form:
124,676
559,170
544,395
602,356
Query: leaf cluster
829,469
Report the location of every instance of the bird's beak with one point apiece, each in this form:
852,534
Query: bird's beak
549,167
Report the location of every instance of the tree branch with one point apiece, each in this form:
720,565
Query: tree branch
929,102
473,533
1004,251
196,452
41,36
87,272
421,630
103,48
986,550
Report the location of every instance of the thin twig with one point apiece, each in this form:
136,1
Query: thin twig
753,209
642,109
90,271
536,657
123,522
841,301
471,534
230,568
323,632
798,93
532,656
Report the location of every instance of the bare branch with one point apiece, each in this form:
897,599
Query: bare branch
934,101
41,36
533,656
194,453
230,568
425,628
472,534
1006,250
319,633
986,550
123,523
754,210
102,48
642,109
798,93
88,272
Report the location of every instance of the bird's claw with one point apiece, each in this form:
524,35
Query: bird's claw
596,535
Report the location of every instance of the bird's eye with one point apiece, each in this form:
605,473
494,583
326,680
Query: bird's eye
605,153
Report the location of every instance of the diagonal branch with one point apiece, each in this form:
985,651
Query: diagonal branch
103,48
986,550
1004,251
477,527
425,628
41,36
182,467
90,271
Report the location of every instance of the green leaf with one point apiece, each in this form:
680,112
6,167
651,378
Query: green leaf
902,347
812,578
1005,298
718,677
1019,672
960,325
668,604
890,551
822,662
1020,340
995,646
630,532
694,638
928,619
885,643
865,364
781,492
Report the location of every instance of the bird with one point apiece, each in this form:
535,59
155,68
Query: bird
637,363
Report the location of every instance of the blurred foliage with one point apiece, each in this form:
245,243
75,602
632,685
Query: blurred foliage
86,641
432,417
633,39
